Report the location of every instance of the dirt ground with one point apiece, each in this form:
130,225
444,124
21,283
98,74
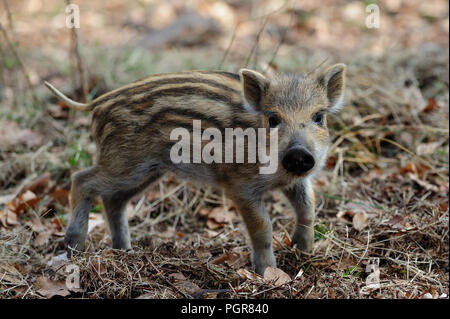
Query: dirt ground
382,227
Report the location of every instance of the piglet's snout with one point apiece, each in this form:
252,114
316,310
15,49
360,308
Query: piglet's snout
298,160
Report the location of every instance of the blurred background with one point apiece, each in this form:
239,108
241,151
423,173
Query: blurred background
387,171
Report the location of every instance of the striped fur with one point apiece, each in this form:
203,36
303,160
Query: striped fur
131,126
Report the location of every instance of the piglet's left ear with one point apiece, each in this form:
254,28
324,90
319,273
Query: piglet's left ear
333,80
254,86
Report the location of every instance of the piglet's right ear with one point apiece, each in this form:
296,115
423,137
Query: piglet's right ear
254,86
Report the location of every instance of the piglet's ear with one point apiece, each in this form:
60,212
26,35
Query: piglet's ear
333,80
254,86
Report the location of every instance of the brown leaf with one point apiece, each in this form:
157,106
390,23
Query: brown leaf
331,161
287,240
212,224
8,218
177,276
56,222
221,215
11,218
58,112
188,288
61,196
42,239
360,220
11,134
416,168
50,288
39,185
276,276
211,233
179,234
3,218
431,106
25,201
237,260
398,221
245,274
9,279
36,225
202,253
204,211
221,259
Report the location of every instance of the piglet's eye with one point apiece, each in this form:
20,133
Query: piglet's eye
318,118
274,121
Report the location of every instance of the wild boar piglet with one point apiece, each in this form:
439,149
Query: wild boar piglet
245,133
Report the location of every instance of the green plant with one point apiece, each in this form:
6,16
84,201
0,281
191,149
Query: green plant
79,158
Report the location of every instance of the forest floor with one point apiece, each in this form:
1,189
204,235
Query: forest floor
382,226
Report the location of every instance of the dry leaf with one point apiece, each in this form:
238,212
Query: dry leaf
3,217
10,274
11,218
211,233
397,221
427,148
287,240
57,261
94,221
9,279
431,105
177,276
212,224
221,215
8,218
424,184
58,112
61,196
358,212
42,239
39,185
25,201
245,274
204,211
237,260
221,259
416,168
202,253
11,135
50,288
36,225
360,220
188,288
276,276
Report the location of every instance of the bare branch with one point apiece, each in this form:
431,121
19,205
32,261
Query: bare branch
75,50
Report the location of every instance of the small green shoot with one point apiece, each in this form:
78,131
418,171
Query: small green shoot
320,231
79,158
351,272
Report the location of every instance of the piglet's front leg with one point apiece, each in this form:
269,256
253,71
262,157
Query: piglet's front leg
259,229
301,196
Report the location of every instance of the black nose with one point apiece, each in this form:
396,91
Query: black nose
298,160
